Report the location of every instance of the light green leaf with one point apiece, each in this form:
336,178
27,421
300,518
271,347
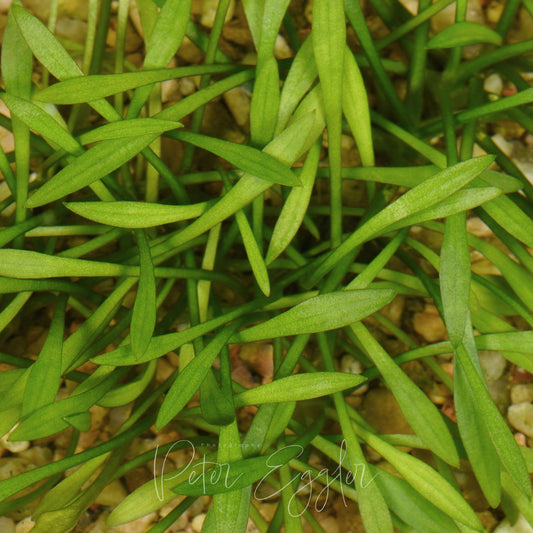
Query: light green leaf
50,418
42,123
329,43
295,207
128,128
91,166
165,39
426,481
249,159
191,378
455,277
299,81
89,88
356,109
320,313
144,310
299,387
125,214
464,34
45,373
428,193
24,264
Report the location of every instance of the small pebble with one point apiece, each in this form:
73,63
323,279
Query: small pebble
198,522
522,393
492,363
493,84
7,525
25,525
351,365
520,416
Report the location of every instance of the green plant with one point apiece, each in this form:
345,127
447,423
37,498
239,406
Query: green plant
238,268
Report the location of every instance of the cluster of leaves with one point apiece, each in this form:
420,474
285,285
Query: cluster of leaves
156,239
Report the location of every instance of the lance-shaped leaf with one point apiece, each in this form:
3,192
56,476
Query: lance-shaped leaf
428,193
355,107
125,214
45,374
144,310
24,264
91,166
320,313
165,39
299,387
251,246
42,123
48,50
455,277
295,207
191,378
249,159
128,128
426,481
464,34
50,418
476,438
89,88
418,409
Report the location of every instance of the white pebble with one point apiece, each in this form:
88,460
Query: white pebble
520,416
25,525
493,84
198,522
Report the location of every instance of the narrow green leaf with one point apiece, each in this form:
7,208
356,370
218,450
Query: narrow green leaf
125,214
295,207
509,102
329,42
42,123
128,128
265,103
455,277
410,505
165,39
356,109
23,264
510,217
79,421
89,88
298,82
249,159
127,393
288,146
190,379
45,374
426,481
428,193
251,246
144,310
320,313
91,166
50,418
417,408
504,442
464,34
162,344
476,438
299,387
47,49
